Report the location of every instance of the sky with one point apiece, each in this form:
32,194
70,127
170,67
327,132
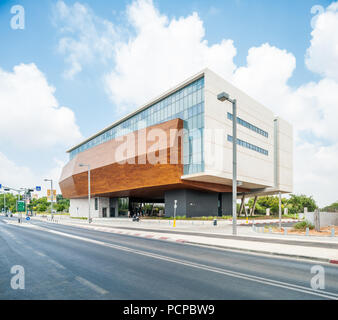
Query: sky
69,68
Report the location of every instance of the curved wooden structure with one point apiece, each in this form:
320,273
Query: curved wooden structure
131,174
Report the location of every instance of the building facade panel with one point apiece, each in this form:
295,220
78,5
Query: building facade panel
254,131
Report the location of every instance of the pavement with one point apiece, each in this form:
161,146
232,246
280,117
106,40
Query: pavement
66,261
323,249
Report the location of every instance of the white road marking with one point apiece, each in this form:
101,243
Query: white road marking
285,285
91,285
58,265
39,253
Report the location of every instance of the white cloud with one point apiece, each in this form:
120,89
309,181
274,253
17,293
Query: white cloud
162,53
13,175
322,55
266,74
30,114
90,38
16,176
316,172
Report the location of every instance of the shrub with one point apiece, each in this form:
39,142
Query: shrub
303,225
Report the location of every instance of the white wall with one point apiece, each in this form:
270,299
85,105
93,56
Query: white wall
79,207
326,218
253,167
284,156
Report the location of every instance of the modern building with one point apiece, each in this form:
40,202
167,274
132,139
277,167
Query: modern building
179,147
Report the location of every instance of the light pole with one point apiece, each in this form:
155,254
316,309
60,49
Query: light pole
51,197
88,166
280,211
6,189
225,97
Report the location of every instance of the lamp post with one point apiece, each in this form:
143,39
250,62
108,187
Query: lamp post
225,97
280,210
6,189
51,197
88,166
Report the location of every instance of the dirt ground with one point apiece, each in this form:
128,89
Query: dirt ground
326,231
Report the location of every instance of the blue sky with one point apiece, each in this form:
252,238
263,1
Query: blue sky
285,25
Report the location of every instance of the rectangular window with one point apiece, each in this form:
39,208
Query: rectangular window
248,125
96,204
249,146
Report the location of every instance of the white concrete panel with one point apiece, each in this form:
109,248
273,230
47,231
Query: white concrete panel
79,207
253,167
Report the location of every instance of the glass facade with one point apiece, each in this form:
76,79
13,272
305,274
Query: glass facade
249,125
249,146
186,104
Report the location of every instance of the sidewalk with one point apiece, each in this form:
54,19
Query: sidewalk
323,249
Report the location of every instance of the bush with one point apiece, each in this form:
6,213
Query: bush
303,225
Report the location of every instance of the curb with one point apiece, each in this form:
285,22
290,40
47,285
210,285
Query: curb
261,223
285,255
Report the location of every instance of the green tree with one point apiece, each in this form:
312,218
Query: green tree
297,203
332,207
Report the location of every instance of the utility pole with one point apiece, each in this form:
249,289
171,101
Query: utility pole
225,97
280,211
88,166
52,197
175,207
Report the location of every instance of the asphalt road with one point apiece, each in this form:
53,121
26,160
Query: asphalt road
64,262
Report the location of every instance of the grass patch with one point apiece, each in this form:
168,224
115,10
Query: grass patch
81,218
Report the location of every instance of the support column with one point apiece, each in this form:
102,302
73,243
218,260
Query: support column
242,205
253,206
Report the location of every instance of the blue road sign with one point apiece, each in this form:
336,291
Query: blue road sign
28,218
0,185
38,188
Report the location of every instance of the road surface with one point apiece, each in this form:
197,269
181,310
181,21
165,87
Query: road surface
66,262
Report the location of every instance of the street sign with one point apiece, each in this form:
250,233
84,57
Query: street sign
28,218
21,206
38,188
0,185
49,197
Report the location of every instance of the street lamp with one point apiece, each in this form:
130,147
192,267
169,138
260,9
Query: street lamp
51,197
88,166
225,97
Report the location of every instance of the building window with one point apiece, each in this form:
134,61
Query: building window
186,104
249,146
96,204
249,125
